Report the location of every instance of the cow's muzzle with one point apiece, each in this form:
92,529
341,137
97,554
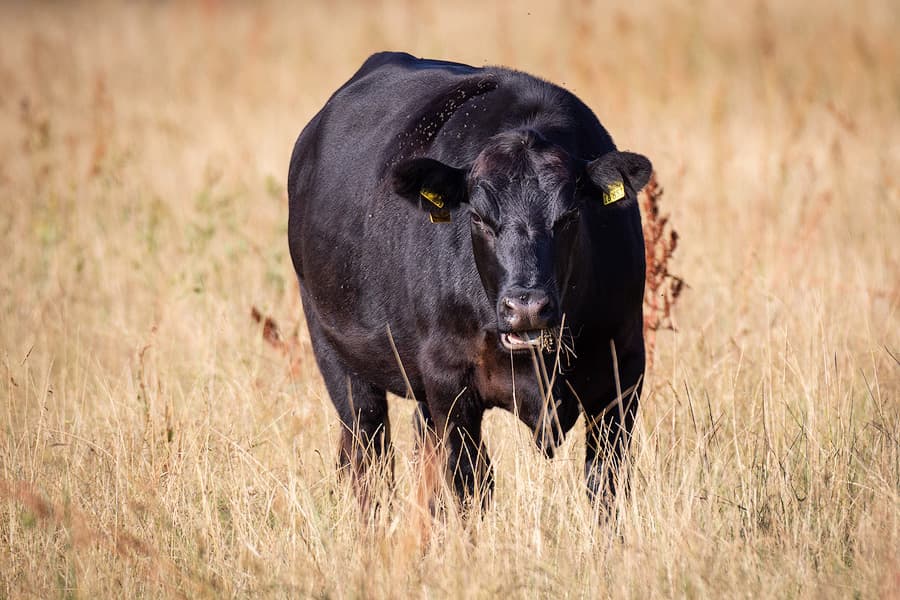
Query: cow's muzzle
524,315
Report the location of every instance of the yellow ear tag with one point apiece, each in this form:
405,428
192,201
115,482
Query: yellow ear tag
615,193
432,197
439,214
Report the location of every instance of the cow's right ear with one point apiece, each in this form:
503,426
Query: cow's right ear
430,184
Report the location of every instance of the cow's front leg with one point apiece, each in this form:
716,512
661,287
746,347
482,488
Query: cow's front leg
458,431
365,444
608,435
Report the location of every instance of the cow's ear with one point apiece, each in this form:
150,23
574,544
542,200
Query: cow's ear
430,184
611,171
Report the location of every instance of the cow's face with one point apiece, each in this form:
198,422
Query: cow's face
524,219
525,201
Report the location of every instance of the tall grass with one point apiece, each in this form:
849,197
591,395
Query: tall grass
155,445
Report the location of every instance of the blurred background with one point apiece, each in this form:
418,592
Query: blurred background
155,443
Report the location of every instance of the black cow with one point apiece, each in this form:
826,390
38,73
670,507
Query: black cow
470,237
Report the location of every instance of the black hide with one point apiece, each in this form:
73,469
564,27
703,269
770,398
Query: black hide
537,237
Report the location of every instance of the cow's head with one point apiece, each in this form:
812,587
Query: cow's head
526,200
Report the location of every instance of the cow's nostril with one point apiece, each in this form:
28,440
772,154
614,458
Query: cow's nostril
527,309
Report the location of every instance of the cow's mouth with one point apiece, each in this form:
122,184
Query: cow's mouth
522,340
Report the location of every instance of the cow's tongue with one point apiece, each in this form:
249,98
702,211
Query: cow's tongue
524,336
521,339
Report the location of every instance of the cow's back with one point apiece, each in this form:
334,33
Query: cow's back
339,158
359,123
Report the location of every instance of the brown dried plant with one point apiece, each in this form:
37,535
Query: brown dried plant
662,288
289,347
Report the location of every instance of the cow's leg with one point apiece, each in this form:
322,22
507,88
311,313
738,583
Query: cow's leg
608,435
364,452
429,463
365,446
427,455
458,432
422,422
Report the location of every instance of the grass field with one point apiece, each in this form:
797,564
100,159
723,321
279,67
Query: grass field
153,444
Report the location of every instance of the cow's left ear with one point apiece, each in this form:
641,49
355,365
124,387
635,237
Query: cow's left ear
430,184
613,169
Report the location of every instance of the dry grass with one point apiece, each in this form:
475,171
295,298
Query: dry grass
155,445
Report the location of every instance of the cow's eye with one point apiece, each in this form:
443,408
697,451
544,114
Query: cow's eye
567,219
481,223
